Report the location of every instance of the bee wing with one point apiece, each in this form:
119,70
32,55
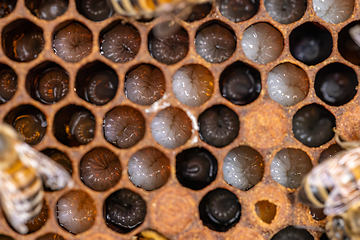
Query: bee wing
53,174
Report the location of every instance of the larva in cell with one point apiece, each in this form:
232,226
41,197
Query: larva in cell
334,11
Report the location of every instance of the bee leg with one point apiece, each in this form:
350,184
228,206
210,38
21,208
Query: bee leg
344,144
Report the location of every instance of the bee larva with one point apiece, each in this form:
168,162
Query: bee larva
293,234
21,172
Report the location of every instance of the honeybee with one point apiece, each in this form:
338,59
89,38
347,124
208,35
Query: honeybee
23,171
335,186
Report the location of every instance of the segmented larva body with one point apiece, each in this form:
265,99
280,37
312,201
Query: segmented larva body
262,43
95,10
288,84
238,10
27,46
31,127
82,127
334,11
53,86
50,10
285,11
101,87
8,84
193,85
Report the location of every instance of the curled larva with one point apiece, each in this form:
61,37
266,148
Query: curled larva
95,10
145,85
334,11
6,7
285,11
124,126
290,166
49,10
215,43
50,236
53,86
73,42
28,45
238,10
193,85
31,127
100,169
8,84
76,211
149,168
262,43
293,233
171,127
312,125
243,167
124,210
101,87
121,43
287,84
82,127
219,126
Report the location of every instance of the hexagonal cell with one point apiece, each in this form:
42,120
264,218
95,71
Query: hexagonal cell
149,169
238,10
293,233
48,83
60,158
74,126
39,221
124,211
219,126
288,84
8,83
196,168
348,45
119,42
265,210
76,211
290,166
100,169
50,236
144,84
22,40
72,41
47,9
193,84
95,10
215,42
329,152
96,83
29,122
284,11
168,43
336,84
243,167
262,43
220,210
313,124
199,12
171,127
334,11
240,83
310,43
124,126
6,7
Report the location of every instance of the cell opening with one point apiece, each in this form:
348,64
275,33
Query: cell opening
6,7
293,233
95,10
329,152
50,236
47,9
238,10
284,11
348,48
266,211
8,83
334,12
199,12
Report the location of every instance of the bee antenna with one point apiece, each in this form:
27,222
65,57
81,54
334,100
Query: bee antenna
345,144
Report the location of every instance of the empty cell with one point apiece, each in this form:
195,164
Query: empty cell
124,126
290,166
196,168
47,9
76,211
347,44
238,10
336,84
334,11
285,11
73,42
219,126
124,210
145,84
149,168
310,43
193,84
120,43
265,210
220,210
262,43
215,43
240,83
171,127
95,10
100,169
313,124
6,7
8,83
292,233
288,84
243,167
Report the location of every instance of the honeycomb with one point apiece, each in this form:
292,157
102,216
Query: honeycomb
268,206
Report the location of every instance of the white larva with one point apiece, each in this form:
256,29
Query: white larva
76,211
287,84
193,85
171,127
355,34
262,43
334,11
